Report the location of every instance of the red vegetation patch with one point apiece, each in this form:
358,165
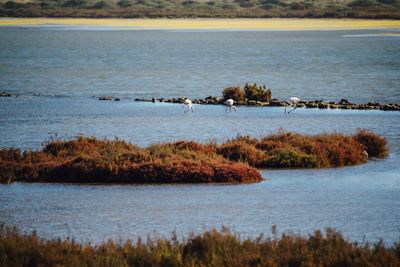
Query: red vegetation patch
375,145
90,160
242,152
234,92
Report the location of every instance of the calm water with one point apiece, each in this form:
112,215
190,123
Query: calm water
67,67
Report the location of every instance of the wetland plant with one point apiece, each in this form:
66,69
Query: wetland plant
91,160
211,248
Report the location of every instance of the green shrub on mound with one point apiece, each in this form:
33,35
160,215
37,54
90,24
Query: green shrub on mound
90,160
257,93
294,150
211,248
251,91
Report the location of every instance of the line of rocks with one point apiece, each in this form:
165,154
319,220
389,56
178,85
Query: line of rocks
321,104
215,100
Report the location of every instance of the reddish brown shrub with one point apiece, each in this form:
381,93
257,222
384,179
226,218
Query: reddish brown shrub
234,92
193,146
88,160
241,151
375,145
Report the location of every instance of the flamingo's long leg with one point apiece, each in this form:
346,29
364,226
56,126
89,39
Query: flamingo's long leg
292,109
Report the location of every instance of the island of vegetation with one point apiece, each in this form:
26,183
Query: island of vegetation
211,248
376,9
90,160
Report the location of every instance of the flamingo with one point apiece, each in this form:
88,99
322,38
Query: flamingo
292,103
187,106
230,105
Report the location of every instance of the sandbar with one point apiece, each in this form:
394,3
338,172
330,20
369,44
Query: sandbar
208,24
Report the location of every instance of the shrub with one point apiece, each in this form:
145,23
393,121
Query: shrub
297,6
375,145
75,3
257,93
13,5
245,3
363,3
233,92
189,3
243,152
102,4
390,2
291,158
124,3
293,150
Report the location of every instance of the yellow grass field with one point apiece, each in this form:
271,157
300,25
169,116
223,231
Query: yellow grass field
209,24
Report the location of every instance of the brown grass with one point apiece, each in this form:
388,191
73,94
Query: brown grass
90,160
212,248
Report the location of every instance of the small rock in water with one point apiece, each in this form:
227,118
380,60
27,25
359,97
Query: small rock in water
106,98
251,102
344,101
5,94
322,105
276,103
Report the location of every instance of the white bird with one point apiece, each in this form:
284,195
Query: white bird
187,106
230,105
292,103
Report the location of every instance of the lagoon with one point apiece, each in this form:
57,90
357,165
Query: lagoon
56,72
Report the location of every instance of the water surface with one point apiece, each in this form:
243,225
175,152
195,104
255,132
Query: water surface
56,72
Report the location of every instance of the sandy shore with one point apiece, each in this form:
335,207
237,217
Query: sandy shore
209,24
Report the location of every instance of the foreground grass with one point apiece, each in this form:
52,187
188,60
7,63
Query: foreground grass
212,248
90,160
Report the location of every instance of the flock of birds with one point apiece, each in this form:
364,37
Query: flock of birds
187,105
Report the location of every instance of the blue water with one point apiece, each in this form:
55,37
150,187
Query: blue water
67,67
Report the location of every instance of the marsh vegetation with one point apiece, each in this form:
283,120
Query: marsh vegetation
211,248
90,160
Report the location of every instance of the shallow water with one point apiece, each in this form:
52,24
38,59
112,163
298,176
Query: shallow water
68,67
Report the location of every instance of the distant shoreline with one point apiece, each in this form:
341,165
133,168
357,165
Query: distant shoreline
295,24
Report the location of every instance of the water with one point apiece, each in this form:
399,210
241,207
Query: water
68,67
128,64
